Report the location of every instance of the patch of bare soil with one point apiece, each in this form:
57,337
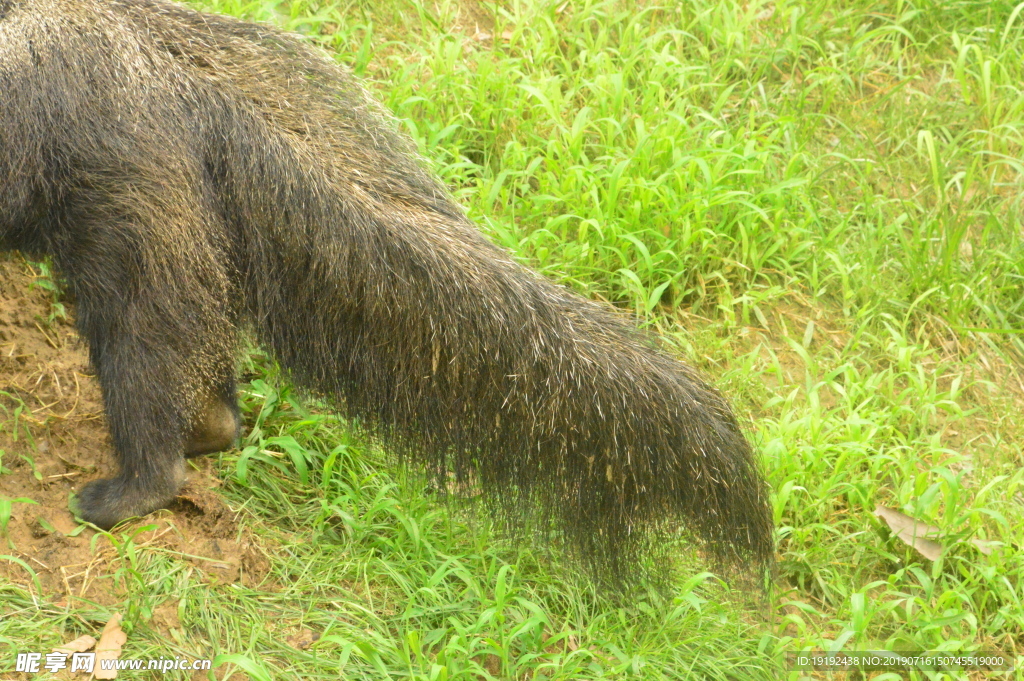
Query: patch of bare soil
54,439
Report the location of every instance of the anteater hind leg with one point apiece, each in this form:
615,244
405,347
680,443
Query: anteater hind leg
161,342
151,411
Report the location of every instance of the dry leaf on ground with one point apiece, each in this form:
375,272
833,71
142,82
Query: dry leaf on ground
109,647
79,645
913,532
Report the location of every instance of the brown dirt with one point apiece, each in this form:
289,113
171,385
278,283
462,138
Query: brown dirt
53,439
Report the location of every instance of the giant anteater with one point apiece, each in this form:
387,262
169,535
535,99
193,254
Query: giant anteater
193,175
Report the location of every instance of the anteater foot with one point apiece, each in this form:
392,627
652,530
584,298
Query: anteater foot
216,431
106,502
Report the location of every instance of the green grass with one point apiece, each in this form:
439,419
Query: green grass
819,203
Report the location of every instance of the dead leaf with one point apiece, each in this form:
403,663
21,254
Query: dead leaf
913,532
983,546
109,647
79,645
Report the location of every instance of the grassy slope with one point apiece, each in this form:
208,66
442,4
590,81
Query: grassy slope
820,204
